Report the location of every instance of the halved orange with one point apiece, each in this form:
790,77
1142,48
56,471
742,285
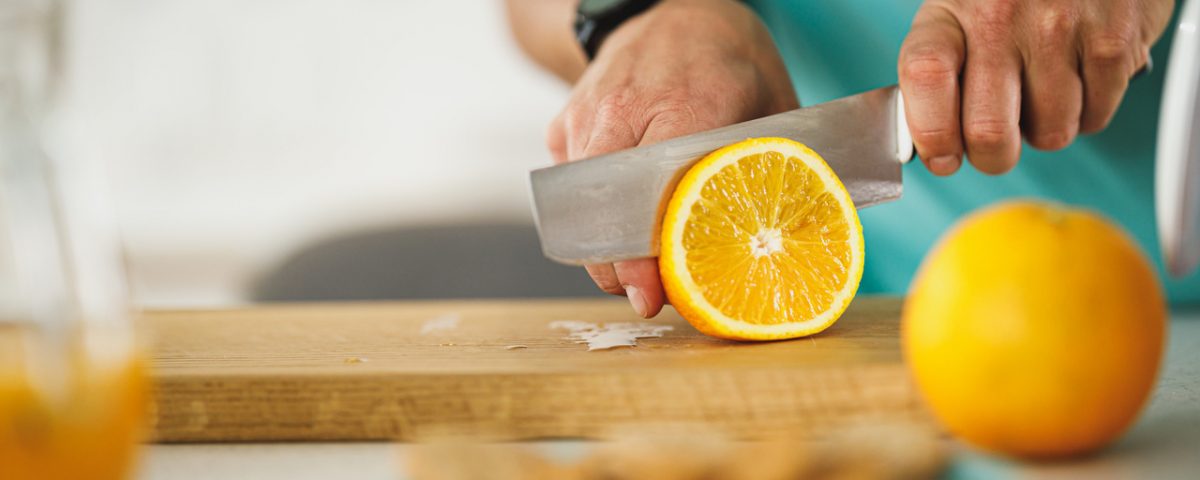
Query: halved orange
760,241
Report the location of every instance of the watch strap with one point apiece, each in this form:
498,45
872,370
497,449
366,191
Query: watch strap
590,30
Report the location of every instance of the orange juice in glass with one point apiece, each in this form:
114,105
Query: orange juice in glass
68,410
73,386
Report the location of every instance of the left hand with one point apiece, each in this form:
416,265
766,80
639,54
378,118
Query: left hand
977,74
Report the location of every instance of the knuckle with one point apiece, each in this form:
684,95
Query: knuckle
609,285
987,135
614,290
941,138
926,66
605,278
673,103
674,96
617,103
996,16
673,114
1108,49
615,107
1055,24
683,110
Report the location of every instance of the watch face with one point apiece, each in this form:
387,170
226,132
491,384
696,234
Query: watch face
595,8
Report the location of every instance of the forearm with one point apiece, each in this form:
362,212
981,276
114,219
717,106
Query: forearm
543,30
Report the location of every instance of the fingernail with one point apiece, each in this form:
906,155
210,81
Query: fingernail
636,300
944,165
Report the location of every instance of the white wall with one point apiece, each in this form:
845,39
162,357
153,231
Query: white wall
239,130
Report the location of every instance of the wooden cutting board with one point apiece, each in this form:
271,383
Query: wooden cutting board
371,371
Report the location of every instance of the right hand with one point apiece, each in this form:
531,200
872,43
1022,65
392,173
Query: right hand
681,67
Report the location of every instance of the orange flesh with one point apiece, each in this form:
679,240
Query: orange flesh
767,243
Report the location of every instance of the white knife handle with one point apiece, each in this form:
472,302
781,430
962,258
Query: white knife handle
904,141
1177,176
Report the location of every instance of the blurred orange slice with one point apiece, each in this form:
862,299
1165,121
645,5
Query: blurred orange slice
761,241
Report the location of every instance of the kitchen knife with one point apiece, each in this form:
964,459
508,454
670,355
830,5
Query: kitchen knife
609,207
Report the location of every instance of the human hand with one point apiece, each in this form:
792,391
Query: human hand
977,74
681,67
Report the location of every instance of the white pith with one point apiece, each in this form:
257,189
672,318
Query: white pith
766,242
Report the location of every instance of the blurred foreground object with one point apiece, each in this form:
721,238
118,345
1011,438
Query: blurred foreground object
1177,181
866,452
1035,330
72,389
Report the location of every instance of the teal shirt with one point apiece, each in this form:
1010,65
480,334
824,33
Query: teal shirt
835,49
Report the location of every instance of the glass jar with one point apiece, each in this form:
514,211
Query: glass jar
73,385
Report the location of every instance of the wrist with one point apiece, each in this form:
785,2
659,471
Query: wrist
595,19
692,24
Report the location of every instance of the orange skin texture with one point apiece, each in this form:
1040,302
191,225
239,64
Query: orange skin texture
1035,331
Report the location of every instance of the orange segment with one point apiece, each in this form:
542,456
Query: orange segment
761,241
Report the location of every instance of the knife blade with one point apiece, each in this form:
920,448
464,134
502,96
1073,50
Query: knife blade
609,207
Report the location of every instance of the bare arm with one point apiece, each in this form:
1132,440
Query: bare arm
543,30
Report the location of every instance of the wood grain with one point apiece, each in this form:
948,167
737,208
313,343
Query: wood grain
365,372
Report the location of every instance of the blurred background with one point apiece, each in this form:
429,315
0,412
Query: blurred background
307,149
272,150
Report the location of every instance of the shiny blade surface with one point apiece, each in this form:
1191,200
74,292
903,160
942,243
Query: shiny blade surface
610,207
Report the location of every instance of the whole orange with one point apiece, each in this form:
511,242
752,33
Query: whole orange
1035,330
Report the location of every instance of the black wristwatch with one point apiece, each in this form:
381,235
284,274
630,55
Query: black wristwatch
595,19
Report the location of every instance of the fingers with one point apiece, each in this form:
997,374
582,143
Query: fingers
642,285
606,278
976,74
612,130
1053,92
639,278
1108,64
991,99
930,62
636,279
